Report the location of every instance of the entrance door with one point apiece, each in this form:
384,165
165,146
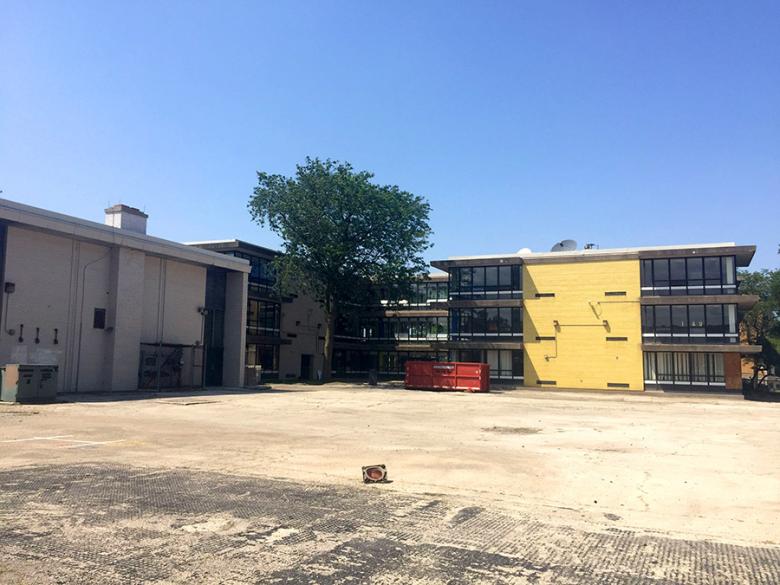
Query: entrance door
306,366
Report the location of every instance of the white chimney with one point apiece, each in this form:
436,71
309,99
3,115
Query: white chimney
126,218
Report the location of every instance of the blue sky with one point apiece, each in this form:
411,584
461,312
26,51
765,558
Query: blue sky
618,123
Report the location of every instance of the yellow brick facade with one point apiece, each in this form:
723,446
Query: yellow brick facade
575,323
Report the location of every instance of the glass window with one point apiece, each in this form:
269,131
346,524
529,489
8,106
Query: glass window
661,272
517,277
698,368
650,373
731,319
491,277
677,275
505,320
729,275
517,363
715,320
478,278
696,319
681,373
647,273
505,277
466,278
712,271
663,320
665,366
478,317
680,320
648,323
491,324
695,276
715,367
517,321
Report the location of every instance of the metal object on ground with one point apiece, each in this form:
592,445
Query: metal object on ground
471,377
374,474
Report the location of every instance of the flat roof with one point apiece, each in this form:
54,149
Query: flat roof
744,254
234,244
67,225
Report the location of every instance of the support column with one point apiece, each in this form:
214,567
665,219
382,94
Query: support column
125,316
234,344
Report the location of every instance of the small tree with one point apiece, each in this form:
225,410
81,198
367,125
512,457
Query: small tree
761,324
341,234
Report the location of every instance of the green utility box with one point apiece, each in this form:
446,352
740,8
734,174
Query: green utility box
28,383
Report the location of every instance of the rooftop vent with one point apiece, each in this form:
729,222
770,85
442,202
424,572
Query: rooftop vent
126,218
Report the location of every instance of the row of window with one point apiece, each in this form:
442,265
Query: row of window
486,322
689,276
346,361
422,294
690,323
393,328
683,368
263,317
504,364
486,282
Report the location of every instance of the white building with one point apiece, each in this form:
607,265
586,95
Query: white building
114,308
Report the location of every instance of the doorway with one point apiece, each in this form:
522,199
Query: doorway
307,360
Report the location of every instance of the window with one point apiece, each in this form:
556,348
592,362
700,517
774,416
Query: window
679,320
504,364
99,319
262,317
486,282
263,355
690,323
689,276
677,278
492,322
684,368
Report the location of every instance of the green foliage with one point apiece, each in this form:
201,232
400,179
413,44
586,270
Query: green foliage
761,324
342,233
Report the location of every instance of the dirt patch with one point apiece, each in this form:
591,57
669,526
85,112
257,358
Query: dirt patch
513,430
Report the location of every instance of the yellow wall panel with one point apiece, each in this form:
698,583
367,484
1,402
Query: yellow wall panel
578,320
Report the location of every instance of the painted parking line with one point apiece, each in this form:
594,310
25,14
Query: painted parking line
52,438
73,443
89,444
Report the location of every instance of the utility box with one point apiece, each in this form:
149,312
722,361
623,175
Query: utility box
28,383
470,377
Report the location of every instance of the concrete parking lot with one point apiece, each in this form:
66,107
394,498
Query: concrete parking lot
513,486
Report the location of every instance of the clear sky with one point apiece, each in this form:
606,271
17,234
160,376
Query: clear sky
618,123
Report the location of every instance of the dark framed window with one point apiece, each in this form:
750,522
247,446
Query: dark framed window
690,323
263,317
504,364
689,276
486,323
486,282
264,355
387,363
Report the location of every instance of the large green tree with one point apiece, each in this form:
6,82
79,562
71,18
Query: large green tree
761,324
342,233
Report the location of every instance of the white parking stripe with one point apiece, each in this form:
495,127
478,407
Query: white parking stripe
52,438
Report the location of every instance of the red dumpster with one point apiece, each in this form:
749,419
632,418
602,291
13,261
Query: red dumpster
471,377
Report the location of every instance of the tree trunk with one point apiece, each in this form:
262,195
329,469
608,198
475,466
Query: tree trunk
327,348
